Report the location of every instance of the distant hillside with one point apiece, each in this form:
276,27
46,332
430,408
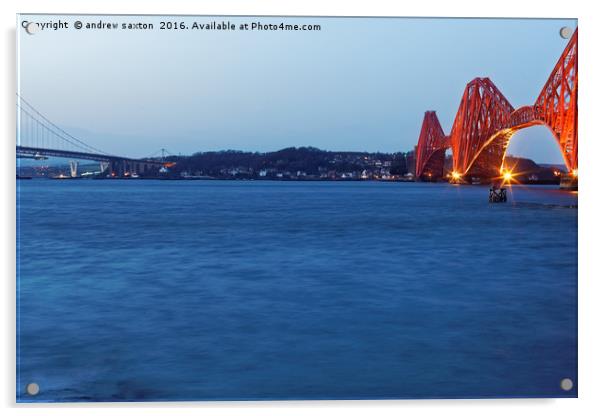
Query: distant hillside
293,162
558,167
526,171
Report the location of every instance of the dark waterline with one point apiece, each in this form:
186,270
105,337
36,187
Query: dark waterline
163,290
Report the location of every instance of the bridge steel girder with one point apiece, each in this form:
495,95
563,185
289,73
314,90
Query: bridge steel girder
430,151
556,105
486,121
483,112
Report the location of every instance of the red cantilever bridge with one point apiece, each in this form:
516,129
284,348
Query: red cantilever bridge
486,121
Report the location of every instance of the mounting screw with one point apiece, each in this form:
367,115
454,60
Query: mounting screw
565,32
32,28
566,384
33,389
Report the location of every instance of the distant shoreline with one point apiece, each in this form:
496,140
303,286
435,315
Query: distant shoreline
304,164
175,179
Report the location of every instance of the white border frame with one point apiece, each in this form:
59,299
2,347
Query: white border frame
590,270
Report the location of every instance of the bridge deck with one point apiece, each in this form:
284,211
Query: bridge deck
34,151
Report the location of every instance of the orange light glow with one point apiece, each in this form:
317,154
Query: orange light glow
456,175
574,173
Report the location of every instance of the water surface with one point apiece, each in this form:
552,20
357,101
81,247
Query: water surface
200,290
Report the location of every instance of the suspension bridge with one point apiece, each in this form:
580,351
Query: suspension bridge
486,121
39,138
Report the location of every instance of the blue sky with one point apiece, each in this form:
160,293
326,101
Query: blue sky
357,84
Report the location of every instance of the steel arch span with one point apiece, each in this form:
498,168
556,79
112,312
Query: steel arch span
486,121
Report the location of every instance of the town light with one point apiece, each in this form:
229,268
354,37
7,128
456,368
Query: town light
456,175
574,173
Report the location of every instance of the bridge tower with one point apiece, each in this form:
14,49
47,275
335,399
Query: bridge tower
430,151
73,164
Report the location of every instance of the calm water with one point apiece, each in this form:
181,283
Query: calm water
172,290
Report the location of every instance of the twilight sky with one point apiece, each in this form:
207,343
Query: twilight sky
357,84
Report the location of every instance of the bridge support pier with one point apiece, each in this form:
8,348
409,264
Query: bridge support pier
73,167
497,195
117,168
569,182
103,166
